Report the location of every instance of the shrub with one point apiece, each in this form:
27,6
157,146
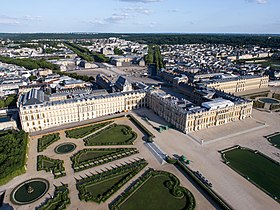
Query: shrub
46,141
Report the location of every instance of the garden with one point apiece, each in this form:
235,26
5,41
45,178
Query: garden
99,187
59,200
89,158
256,168
13,146
54,166
164,189
47,140
112,135
81,132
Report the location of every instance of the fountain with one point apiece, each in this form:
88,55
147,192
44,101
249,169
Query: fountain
65,148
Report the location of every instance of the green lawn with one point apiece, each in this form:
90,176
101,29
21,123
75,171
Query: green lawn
84,131
88,158
260,170
47,164
157,195
99,187
275,140
102,187
90,155
50,165
113,135
47,140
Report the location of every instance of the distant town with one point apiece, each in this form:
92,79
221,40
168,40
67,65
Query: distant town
184,108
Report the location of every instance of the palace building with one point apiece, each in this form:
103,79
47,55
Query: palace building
38,112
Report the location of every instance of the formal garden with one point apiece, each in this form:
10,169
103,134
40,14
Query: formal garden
88,158
46,141
255,167
99,187
274,139
54,166
160,190
112,135
60,200
81,132
13,146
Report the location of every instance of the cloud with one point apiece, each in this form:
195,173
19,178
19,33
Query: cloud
258,1
141,1
173,10
10,20
139,10
117,18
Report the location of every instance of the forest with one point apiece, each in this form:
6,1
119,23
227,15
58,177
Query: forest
263,40
12,154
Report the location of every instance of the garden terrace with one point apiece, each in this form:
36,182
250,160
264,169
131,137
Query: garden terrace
255,167
112,135
13,145
101,186
59,200
81,132
47,140
89,158
51,165
148,133
164,189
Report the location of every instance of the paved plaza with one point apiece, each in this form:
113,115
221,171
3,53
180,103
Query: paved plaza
237,191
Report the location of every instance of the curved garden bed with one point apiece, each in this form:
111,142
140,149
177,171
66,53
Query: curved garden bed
160,188
112,135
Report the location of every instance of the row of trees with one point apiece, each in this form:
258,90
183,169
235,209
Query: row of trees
154,57
29,63
81,52
9,101
85,54
77,76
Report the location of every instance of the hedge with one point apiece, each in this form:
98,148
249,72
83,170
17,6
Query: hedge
173,185
131,168
59,201
120,153
57,169
46,141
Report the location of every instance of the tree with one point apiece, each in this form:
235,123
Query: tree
32,78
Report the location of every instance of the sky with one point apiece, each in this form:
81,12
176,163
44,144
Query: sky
141,16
